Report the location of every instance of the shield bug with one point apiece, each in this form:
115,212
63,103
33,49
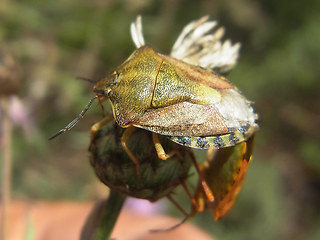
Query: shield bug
192,106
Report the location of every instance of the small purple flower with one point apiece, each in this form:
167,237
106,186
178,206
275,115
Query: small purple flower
19,114
145,207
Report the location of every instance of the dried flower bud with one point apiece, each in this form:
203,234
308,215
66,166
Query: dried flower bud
9,80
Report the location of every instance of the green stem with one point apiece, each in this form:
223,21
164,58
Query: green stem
110,215
103,217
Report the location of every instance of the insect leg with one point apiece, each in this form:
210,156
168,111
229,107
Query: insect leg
160,151
175,203
187,216
210,154
124,139
95,127
102,107
203,182
192,199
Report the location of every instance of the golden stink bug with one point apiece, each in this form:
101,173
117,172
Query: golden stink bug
190,105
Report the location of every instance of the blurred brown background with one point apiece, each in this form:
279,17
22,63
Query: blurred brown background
53,42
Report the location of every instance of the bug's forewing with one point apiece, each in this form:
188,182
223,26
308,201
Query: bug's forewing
184,119
190,101
224,174
190,119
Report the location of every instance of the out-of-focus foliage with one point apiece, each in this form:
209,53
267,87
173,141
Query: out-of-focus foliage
55,41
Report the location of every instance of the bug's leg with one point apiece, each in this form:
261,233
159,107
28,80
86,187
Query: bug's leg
175,203
193,210
160,151
102,107
95,127
124,139
192,199
210,154
203,182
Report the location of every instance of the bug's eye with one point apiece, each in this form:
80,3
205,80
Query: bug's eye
114,81
109,93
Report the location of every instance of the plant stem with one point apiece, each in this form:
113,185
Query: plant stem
100,223
6,165
110,215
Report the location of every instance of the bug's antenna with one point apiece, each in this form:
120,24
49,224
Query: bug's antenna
74,121
87,79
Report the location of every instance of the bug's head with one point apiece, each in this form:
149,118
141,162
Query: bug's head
103,88
129,88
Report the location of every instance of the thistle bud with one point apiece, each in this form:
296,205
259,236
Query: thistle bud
157,178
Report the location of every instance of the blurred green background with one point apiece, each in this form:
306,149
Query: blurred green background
55,41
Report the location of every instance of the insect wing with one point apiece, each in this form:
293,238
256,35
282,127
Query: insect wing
190,101
224,174
183,119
